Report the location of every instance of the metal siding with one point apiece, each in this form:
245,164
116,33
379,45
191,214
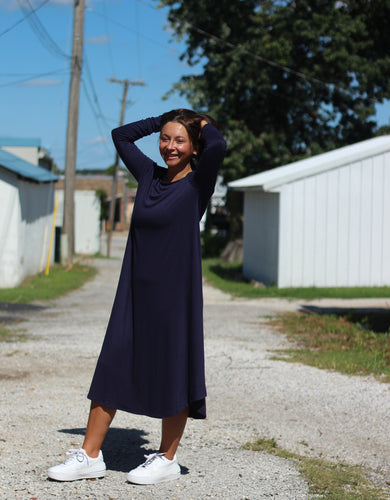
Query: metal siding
355,190
365,237
332,210
343,222
386,222
285,235
377,221
308,231
321,221
298,208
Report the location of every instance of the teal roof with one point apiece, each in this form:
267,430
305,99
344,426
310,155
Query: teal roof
18,141
24,168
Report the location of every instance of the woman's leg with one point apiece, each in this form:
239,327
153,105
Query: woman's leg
100,418
172,431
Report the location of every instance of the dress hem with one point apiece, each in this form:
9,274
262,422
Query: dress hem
195,407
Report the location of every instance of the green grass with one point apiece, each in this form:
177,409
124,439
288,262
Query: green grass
228,278
340,343
7,335
328,480
41,288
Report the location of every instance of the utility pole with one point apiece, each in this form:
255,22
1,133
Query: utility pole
67,236
126,83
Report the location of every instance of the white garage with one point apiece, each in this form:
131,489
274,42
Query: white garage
26,216
323,221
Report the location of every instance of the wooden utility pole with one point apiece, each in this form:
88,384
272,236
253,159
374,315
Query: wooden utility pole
67,236
126,83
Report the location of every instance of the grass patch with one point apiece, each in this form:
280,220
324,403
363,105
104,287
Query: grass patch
228,278
7,335
335,342
60,281
332,481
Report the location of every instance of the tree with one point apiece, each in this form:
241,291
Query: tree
285,79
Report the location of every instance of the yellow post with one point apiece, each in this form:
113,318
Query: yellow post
51,235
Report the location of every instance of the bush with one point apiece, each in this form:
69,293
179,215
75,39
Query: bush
212,245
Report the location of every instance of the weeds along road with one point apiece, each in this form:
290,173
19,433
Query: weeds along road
44,382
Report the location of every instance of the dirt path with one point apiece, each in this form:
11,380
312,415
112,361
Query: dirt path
44,382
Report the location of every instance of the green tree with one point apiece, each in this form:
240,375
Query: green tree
285,79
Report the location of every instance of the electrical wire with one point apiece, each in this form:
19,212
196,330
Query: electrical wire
94,93
127,28
33,77
299,74
24,18
40,31
110,57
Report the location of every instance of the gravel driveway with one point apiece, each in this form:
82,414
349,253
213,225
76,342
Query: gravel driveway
44,382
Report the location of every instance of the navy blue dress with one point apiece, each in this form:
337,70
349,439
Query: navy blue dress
152,358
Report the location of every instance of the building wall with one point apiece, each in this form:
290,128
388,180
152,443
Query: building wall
87,221
27,153
261,236
36,219
25,222
9,230
334,230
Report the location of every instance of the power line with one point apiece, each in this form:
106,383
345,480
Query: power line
24,18
299,74
110,57
126,28
96,115
40,31
94,93
282,67
32,77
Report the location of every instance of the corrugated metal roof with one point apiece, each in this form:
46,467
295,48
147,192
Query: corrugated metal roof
276,177
18,141
24,168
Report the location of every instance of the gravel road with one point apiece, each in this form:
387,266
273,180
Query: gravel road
44,382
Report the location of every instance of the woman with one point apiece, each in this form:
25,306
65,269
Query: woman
152,359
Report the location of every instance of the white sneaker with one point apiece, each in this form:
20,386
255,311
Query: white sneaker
78,466
156,469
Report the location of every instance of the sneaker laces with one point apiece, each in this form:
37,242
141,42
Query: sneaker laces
76,454
151,458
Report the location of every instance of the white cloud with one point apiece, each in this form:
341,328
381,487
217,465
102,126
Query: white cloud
98,40
41,82
97,140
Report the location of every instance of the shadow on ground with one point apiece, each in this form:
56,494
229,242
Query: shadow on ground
375,319
11,312
123,449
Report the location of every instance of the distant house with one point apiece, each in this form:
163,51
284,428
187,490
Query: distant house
29,149
323,221
88,225
27,201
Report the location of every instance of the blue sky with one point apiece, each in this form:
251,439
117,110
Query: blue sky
122,38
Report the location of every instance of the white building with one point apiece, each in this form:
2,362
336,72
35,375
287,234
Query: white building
86,223
323,221
26,216
28,149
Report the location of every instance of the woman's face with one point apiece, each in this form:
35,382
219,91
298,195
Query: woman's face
176,148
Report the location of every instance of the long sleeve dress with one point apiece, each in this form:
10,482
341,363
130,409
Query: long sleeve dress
152,358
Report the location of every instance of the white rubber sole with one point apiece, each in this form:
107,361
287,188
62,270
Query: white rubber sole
57,476
152,480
